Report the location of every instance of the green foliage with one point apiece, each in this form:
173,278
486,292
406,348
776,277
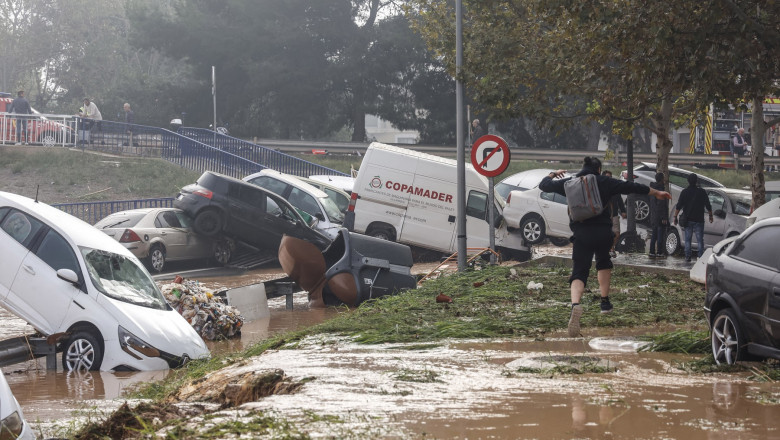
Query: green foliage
681,341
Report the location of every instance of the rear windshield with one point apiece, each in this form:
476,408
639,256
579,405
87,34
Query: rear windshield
503,189
210,181
120,220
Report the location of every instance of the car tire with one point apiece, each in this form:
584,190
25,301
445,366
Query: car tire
222,252
208,223
559,241
82,352
728,340
156,258
672,243
533,229
642,209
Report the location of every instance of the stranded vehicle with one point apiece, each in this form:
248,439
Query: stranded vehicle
82,288
410,197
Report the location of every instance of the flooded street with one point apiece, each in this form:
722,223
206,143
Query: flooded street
453,389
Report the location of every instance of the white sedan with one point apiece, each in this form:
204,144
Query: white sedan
538,215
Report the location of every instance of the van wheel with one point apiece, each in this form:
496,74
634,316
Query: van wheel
156,258
533,229
672,242
383,233
82,352
208,223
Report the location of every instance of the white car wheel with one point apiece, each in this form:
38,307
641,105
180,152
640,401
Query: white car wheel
533,230
82,353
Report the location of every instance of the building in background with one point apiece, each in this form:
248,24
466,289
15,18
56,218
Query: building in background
379,130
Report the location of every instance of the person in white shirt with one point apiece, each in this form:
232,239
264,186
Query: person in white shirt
90,111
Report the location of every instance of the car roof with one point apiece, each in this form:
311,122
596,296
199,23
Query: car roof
73,229
772,185
651,167
319,183
769,209
344,183
733,191
528,178
289,179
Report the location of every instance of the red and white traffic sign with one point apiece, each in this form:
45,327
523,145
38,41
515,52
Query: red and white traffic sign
490,155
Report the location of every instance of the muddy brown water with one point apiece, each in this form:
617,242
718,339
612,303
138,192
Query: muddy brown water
474,396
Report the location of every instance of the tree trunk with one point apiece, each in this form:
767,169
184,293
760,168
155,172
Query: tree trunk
757,130
358,112
664,144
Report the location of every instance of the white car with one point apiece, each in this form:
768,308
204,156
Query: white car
71,281
339,196
344,183
768,210
304,197
12,423
537,214
522,181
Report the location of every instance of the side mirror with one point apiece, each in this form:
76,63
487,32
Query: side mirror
69,276
720,213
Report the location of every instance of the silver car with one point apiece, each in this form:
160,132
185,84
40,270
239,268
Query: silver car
730,208
159,235
644,173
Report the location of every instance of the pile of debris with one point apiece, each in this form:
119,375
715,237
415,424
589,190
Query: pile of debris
207,312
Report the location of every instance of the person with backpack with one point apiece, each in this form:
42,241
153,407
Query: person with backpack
592,227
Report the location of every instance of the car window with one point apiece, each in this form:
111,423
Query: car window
167,219
5,209
476,205
740,203
759,248
122,279
716,200
184,220
504,189
304,201
559,199
125,220
678,178
271,184
342,202
272,208
57,253
332,210
547,196
246,194
21,227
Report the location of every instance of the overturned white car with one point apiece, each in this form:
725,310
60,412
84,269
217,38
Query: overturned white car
77,285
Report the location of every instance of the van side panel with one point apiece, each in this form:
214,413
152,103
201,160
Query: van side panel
430,218
376,204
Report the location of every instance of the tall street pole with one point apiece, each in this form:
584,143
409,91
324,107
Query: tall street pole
461,169
214,98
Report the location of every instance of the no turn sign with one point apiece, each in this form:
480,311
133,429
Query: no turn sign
490,155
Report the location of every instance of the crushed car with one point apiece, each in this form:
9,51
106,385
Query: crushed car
81,288
223,205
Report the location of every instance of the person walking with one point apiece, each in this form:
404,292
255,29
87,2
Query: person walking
693,200
659,218
593,236
476,131
739,145
21,106
617,209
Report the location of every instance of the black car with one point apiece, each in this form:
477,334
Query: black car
220,204
743,295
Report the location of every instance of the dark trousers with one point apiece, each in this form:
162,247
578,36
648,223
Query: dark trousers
657,240
589,241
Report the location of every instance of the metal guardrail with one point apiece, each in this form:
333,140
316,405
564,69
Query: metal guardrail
92,212
261,154
41,129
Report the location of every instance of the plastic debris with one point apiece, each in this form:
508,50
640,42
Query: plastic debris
442,298
534,286
208,314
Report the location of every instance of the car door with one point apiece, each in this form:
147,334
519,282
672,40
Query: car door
556,214
751,277
17,232
713,232
247,211
168,228
477,227
38,295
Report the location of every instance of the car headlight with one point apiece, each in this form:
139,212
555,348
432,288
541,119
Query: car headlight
129,341
11,426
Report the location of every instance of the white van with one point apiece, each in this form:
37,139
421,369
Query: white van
410,197
69,280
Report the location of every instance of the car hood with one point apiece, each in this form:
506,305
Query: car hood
165,330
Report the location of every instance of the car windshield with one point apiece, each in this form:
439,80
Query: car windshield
741,203
332,210
503,189
122,279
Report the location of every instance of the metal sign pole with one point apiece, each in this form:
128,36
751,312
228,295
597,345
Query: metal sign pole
492,219
214,101
461,169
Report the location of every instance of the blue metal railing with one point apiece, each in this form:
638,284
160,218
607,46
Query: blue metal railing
269,157
91,212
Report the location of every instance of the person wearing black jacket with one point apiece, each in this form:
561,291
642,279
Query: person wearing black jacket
593,236
617,209
21,106
692,202
659,218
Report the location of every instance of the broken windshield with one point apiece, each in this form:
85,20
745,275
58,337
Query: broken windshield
122,279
